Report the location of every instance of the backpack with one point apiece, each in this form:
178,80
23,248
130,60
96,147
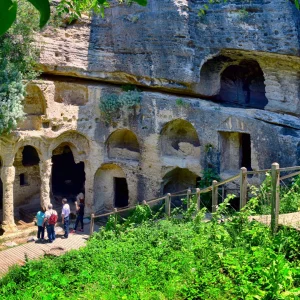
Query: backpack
52,219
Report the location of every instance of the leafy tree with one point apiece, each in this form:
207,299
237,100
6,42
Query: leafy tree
9,8
18,58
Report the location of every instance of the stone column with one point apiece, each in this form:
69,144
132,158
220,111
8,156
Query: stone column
89,188
8,178
45,174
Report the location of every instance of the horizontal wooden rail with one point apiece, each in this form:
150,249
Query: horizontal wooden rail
213,188
155,200
289,169
258,172
228,180
289,175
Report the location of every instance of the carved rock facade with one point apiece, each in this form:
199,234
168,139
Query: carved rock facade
240,76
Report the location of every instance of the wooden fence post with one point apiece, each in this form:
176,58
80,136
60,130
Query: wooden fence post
92,224
116,220
275,173
214,196
243,187
198,198
188,197
168,205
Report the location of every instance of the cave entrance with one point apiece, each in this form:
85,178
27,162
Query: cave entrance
177,180
121,192
235,151
243,84
68,178
110,181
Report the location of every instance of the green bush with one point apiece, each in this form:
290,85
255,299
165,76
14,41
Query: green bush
12,92
111,104
176,258
289,196
18,57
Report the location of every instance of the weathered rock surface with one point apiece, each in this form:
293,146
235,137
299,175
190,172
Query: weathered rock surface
166,45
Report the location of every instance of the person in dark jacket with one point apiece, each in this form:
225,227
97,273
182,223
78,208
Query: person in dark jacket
79,212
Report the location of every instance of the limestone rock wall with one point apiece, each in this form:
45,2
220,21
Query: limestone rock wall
166,45
168,140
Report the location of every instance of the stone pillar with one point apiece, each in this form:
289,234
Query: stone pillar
89,188
45,174
8,178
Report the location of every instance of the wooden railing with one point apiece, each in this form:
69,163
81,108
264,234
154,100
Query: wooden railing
242,176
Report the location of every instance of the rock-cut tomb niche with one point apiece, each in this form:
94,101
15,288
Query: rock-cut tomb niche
123,144
235,149
110,188
238,82
177,180
68,177
27,181
179,139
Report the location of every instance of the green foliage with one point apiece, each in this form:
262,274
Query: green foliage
178,258
289,196
111,104
18,59
8,9
12,92
209,174
181,103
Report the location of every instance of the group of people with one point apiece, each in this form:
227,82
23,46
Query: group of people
48,219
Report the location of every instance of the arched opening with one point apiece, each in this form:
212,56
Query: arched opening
27,180
110,188
123,143
179,138
179,179
243,84
30,156
68,178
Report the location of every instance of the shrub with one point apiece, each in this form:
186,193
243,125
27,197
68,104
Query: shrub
111,104
12,92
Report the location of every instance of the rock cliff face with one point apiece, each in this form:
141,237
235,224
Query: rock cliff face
237,70
167,45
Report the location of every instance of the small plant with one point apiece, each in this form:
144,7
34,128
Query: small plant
208,147
111,104
181,103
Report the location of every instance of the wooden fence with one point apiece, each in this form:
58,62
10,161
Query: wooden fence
213,189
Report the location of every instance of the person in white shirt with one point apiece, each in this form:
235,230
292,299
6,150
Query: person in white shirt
65,217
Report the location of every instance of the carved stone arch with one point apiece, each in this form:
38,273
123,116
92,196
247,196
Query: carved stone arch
37,144
68,173
111,188
123,143
27,181
77,142
179,138
233,77
178,179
